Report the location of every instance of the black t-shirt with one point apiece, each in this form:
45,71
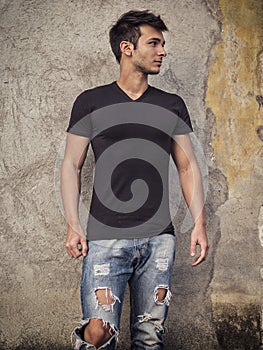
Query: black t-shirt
131,141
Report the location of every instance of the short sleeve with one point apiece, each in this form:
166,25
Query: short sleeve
80,121
183,124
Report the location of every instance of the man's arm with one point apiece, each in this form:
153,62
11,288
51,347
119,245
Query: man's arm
75,154
191,182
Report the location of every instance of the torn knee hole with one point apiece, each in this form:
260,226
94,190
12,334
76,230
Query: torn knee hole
162,295
98,331
105,298
100,324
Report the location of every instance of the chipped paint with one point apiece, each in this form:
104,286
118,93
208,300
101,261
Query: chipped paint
235,79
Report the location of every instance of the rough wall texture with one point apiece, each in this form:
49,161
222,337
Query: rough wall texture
51,51
235,79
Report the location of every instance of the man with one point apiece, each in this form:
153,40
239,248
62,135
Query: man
133,129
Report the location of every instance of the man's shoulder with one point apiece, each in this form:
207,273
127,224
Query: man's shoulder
97,90
165,98
166,94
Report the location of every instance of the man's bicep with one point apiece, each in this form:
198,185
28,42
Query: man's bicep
76,149
182,150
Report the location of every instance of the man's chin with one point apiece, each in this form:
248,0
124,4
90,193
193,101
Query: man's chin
154,72
151,71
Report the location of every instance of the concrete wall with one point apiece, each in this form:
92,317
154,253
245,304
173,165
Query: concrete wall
50,52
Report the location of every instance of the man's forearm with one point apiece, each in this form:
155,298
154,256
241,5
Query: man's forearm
70,189
192,187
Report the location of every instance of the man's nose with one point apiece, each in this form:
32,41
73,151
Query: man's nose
162,52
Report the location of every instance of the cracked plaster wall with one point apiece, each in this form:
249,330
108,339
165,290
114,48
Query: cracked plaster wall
51,51
235,79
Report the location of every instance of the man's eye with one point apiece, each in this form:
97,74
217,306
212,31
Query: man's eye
153,43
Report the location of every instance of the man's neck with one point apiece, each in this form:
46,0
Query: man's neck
134,85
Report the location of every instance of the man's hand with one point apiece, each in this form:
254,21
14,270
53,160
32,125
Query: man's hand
198,237
76,243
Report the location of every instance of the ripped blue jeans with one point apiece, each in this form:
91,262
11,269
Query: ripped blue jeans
146,265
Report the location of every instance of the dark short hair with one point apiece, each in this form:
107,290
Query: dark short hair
127,28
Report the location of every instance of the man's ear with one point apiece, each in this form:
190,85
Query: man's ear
126,48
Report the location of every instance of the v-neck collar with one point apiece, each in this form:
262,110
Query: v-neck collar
128,97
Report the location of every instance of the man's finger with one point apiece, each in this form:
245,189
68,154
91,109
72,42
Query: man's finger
73,251
68,248
193,248
198,261
201,257
84,247
76,252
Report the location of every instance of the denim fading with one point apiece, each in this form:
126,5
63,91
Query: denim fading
146,265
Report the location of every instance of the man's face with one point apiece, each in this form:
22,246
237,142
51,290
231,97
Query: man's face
148,55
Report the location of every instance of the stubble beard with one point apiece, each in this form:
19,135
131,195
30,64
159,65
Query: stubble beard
142,68
146,71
